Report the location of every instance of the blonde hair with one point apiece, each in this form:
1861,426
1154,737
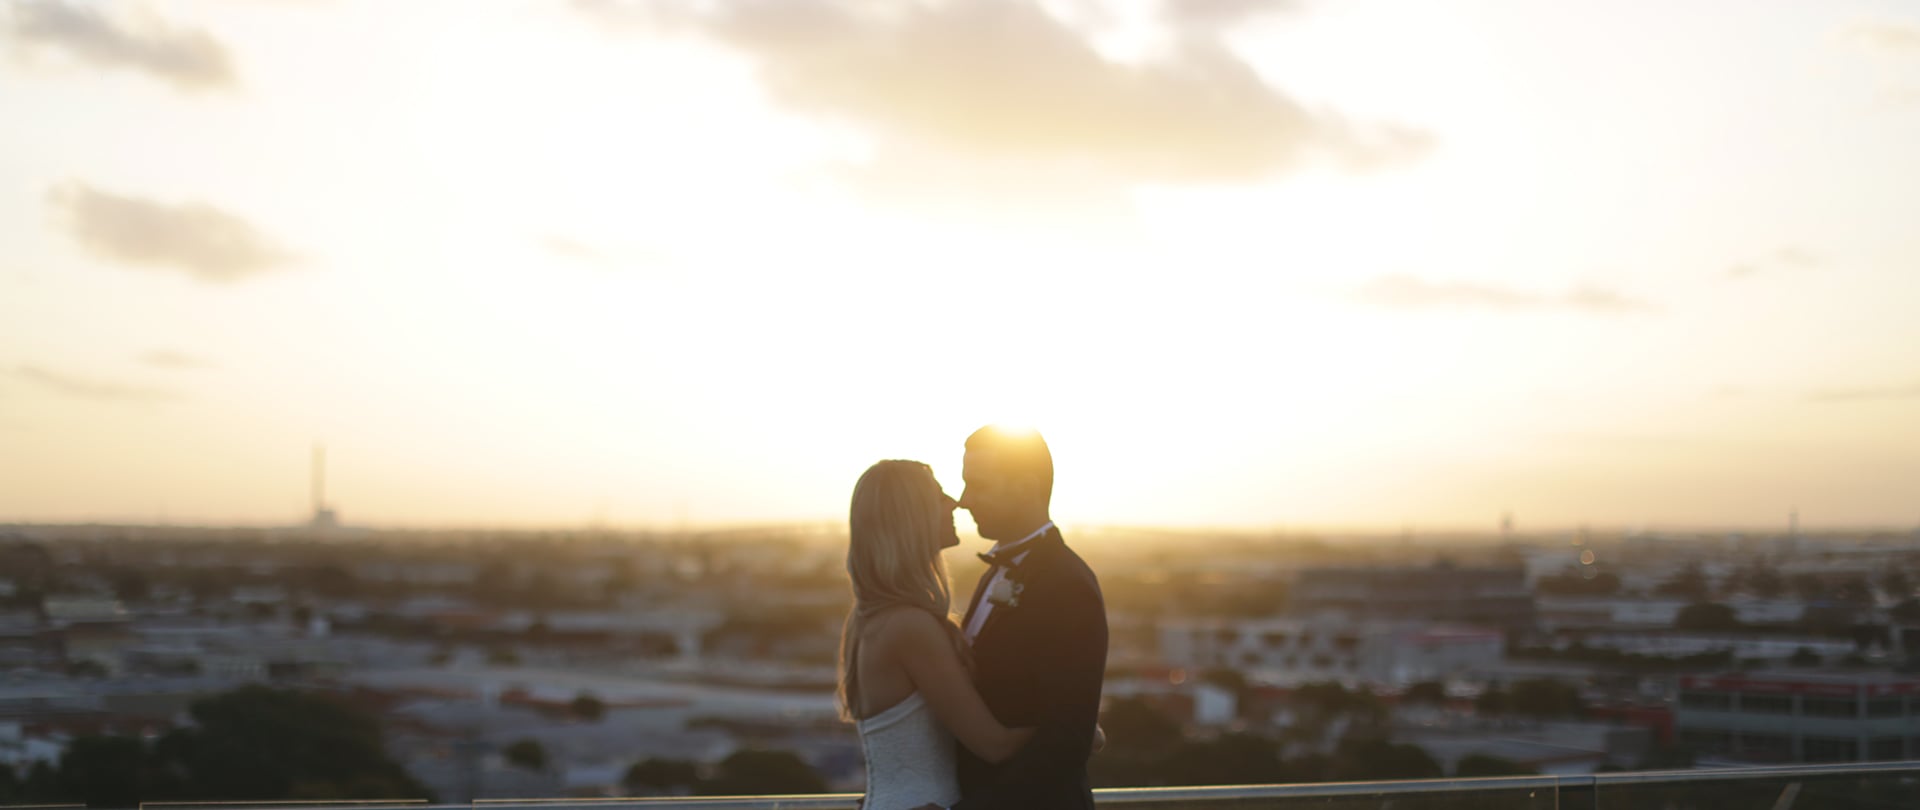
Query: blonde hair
896,524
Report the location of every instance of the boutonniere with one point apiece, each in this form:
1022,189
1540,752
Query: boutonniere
1006,592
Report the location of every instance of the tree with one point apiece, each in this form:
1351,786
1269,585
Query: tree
1853,591
42,784
1228,679
1493,701
1811,587
662,776
1326,701
1707,617
1310,767
1132,725
1365,760
87,668
325,580
1473,765
131,586
105,771
1765,582
1429,692
1578,584
1546,698
1690,582
1830,619
257,743
528,754
762,773
1896,584
587,707
1231,759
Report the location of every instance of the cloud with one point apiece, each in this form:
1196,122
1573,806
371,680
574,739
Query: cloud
190,59
1890,392
1004,83
1220,13
194,238
1408,292
98,390
172,360
569,249
615,257
1787,258
1886,38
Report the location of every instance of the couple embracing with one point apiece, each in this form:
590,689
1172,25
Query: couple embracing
998,710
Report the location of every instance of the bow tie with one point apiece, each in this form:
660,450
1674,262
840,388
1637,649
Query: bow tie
1007,559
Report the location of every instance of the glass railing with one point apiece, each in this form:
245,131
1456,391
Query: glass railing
1854,786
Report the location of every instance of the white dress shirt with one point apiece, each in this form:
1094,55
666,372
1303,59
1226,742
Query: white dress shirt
1000,573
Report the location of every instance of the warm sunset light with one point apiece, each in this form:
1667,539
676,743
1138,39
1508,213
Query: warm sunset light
1244,264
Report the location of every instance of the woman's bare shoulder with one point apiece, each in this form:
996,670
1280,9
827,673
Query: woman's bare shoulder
903,626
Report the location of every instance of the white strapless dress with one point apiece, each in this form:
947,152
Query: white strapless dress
910,758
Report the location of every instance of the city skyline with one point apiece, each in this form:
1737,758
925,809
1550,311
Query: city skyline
1245,264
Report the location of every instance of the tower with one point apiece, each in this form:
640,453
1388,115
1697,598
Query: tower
323,515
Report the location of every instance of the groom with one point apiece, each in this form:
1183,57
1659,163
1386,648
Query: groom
1038,627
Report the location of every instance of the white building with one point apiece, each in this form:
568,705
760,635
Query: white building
1577,612
1291,651
20,751
1749,647
1800,716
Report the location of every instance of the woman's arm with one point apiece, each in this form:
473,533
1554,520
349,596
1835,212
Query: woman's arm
924,649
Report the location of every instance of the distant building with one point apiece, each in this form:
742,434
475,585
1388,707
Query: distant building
1800,716
1331,649
89,629
1494,597
1750,647
1557,613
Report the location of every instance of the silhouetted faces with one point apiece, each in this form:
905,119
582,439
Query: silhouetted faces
1008,476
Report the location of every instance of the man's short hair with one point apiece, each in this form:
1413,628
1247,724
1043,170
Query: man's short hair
1016,451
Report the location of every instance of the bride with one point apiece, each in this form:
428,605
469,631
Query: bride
904,677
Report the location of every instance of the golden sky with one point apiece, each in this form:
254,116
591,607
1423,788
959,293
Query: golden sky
1276,264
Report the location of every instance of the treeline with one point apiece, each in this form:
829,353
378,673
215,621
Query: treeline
1146,748
252,744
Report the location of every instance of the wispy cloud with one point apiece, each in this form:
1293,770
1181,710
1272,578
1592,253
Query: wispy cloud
570,249
83,388
163,358
187,58
193,238
1008,83
1409,292
609,257
1885,37
1870,394
1788,258
1211,13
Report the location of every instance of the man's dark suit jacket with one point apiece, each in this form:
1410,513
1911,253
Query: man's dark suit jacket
1039,665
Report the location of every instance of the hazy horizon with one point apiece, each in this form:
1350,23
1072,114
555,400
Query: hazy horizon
1283,532
551,263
